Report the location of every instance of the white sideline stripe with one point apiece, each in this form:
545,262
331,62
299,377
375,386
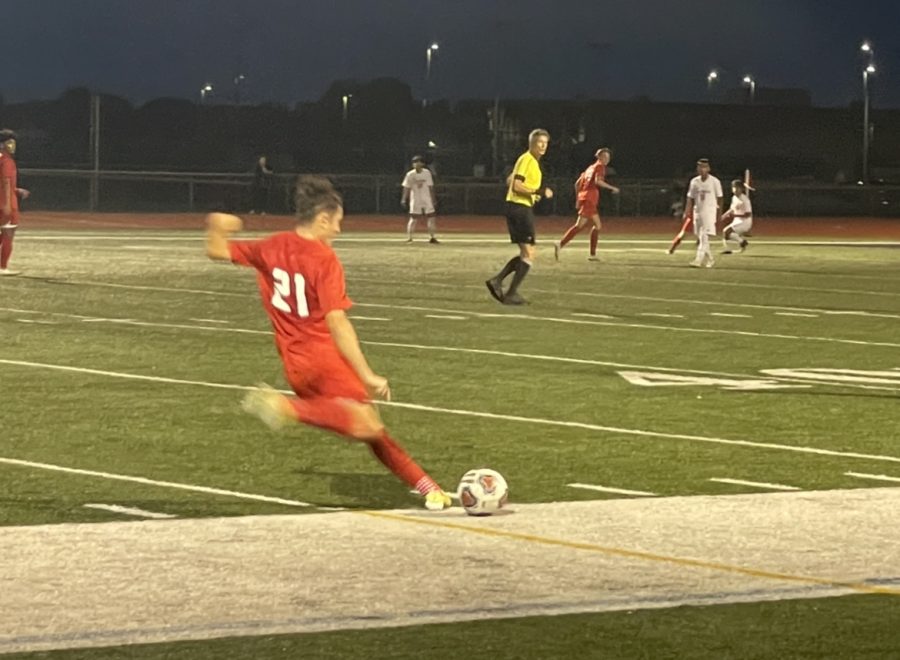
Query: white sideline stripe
755,484
485,415
208,321
448,317
129,511
37,322
731,316
809,316
593,316
367,318
471,286
772,373
662,316
607,489
152,482
874,477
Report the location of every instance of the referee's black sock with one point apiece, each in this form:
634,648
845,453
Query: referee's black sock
510,266
522,269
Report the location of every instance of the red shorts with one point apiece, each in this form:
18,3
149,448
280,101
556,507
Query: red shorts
323,372
587,208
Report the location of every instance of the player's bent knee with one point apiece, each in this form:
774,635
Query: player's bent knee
367,424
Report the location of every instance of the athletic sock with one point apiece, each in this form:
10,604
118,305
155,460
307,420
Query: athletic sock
522,269
432,226
395,459
508,268
571,232
595,234
410,227
6,245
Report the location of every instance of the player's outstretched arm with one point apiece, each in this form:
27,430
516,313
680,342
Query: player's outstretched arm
348,344
219,227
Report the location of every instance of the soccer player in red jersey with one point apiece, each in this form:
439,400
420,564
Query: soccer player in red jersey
301,282
9,199
587,190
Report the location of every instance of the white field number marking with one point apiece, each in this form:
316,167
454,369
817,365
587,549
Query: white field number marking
839,375
656,379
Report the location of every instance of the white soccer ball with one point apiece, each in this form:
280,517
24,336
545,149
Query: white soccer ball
482,492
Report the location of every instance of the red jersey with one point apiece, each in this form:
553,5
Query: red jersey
300,281
587,182
9,171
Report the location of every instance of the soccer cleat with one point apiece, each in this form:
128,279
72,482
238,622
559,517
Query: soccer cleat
727,252
744,245
438,500
556,249
409,240
593,257
434,241
514,299
270,406
495,286
710,262
7,272
696,263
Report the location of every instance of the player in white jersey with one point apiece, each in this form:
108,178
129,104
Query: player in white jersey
741,216
704,204
418,191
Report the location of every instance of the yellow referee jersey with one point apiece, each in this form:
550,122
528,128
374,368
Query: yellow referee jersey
526,168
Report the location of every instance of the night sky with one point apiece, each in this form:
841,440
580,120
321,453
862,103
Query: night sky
291,50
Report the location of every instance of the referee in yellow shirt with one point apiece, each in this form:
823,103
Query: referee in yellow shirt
525,188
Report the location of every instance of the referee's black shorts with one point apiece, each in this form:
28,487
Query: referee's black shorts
520,222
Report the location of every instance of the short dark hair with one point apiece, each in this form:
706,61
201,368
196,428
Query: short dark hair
603,150
737,183
7,134
703,161
536,133
314,194
418,159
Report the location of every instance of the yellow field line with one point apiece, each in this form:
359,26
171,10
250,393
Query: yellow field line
637,554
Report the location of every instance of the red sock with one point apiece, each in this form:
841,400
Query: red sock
6,241
595,234
395,459
571,232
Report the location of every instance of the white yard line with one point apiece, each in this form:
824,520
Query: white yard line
873,477
662,316
209,321
368,318
809,316
755,484
731,316
800,449
129,511
447,317
37,322
776,373
607,489
593,316
154,482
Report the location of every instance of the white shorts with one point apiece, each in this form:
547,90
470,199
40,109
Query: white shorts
705,224
424,209
740,226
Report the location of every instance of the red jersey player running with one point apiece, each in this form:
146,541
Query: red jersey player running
587,191
301,282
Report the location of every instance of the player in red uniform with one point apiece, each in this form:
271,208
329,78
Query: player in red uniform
587,190
301,282
9,199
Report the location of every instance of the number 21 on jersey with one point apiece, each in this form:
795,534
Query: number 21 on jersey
283,282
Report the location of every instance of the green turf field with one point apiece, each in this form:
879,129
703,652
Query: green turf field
778,371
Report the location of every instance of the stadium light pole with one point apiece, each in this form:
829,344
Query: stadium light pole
345,101
428,54
205,91
867,71
751,83
711,78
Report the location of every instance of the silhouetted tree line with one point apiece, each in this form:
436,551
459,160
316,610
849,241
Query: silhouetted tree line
384,125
